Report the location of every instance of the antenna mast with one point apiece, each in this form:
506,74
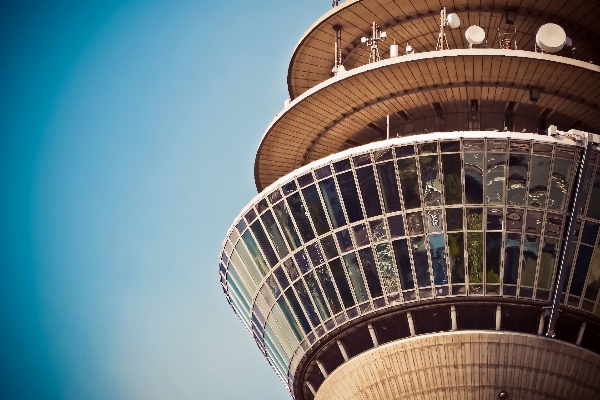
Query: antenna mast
372,42
442,36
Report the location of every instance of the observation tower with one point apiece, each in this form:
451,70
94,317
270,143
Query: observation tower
429,205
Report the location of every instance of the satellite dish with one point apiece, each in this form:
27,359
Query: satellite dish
363,39
569,42
453,21
551,38
475,34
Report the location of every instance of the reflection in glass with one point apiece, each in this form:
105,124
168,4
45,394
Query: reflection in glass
255,252
473,178
585,187
584,257
382,155
344,240
419,253
363,159
425,148
243,271
301,217
403,264
378,230
234,280
361,236
260,235
553,224
314,252
329,247
386,268
431,181
538,181
438,259
287,323
415,223
590,232
404,151
454,219
475,219
368,189
473,145
514,219
274,234
332,202
451,166
350,196
250,266
533,222
517,179
434,220
315,291
456,256
291,269
291,298
285,221
283,280
302,261
593,285
448,147
337,270
356,277
559,185
289,188
493,250
396,224
547,261
306,179
313,203
389,186
407,169
494,219
530,256
496,164
370,270
323,172
329,289
475,256
594,212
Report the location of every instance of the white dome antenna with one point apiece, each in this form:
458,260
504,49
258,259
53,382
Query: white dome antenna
551,38
474,35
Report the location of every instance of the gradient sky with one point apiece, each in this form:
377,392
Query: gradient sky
128,132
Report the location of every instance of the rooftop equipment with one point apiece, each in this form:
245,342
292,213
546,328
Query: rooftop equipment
394,50
451,21
475,35
551,38
376,36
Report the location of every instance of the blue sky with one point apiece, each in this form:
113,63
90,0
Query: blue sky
127,139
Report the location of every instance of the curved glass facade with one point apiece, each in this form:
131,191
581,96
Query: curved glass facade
437,215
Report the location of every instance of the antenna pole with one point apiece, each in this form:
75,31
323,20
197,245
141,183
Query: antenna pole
442,36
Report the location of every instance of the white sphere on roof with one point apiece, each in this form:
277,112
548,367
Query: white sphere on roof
551,37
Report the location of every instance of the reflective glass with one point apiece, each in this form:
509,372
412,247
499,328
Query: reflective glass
530,256
300,216
594,212
473,178
431,180
342,165
350,196
302,261
435,222
291,269
274,197
370,270
514,219
289,187
456,259
494,178
409,182
274,234
403,264
519,146
419,253
538,180
494,219
332,202
547,262
262,205
241,225
553,225
448,147
306,179
389,186
315,254
250,215
585,188
475,256
438,259
378,230
273,287
496,145
255,252
287,324
415,223
517,179
386,268
363,159
584,257
280,275
590,232
533,222
250,266
493,252
337,270
542,149
404,151
451,165
241,269
317,295
308,306
425,148
344,240
323,172
475,219
383,155
301,318
454,219
368,189
593,285
277,336
512,250
259,234
234,281
396,224
329,289
285,221
329,248
559,185
361,236
356,277
315,208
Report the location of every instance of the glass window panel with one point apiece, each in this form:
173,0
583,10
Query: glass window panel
456,250
287,324
344,240
473,178
530,257
291,298
389,186
370,270
285,221
332,202
386,268
431,180
425,148
274,197
494,219
584,257
533,223
315,254
419,253
323,172
306,302
350,196
448,147
329,289
559,185
302,261
317,295
512,250
438,259
547,262
517,179
378,230
383,155
475,219
306,179
493,250
315,208
274,331
329,247
272,284
239,266
363,159
454,219
262,206
542,148
241,225
514,219
342,165
396,224
259,234
289,187
243,253
451,166
255,252
280,275
553,225
475,256
496,145
244,307
301,217
291,269
337,270
361,236
415,223
594,212
250,215
590,232
519,146
403,264
404,151
538,181
585,188
496,165
368,189
356,279
273,231
409,182
593,285
434,220
564,152
234,280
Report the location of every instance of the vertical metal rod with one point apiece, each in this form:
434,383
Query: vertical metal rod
388,126
560,281
343,350
411,325
373,335
580,335
541,324
498,316
322,368
311,388
453,317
